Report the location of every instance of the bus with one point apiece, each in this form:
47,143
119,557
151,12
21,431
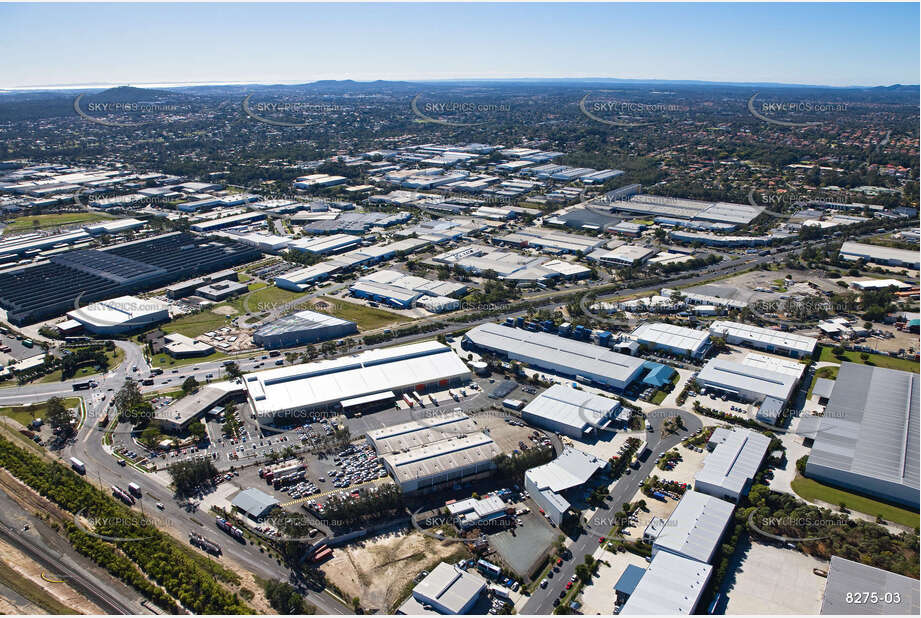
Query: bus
82,386
78,465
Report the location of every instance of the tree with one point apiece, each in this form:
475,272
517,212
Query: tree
233,370
198,430
583,572
190,385
128,397
149,436
58,416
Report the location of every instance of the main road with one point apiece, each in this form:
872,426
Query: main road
541,601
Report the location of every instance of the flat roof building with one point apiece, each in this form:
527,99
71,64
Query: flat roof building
671,585
674,339
221,290
766,339
446,590
323,245
434,465
552,240
557,354
302,328
325,384
878,254
750,382
178,345
729,469
569,411
550,483
897,594
695,527
867,440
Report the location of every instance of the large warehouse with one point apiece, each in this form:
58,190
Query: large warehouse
120,315
672,585
897,595
424,455
867,441
302,328
673,339
758,379
374,375
575,359
41,291
695,527
729,469
880,255
551,484
765,339
569,411
446,590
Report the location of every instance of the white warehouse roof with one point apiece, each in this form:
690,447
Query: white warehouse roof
742,377
764,336
735,460
572,407
672,336
671,585
321,383
695,526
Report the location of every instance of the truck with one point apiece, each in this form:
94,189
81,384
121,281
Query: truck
514,404
119,493
135,489
81,386
201,542
78,465
658,495
229,528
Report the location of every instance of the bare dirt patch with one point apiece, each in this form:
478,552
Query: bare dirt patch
377,570
224,310
32,571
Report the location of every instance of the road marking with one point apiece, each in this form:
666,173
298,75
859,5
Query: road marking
333,491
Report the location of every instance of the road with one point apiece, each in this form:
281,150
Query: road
541,601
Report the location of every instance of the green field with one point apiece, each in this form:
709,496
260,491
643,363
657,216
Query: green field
367,318
24,224
195,324
166,361
263,297
26,414
877,360
809,489
830,373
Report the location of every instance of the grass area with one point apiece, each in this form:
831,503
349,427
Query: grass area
166,361
196,324
659,397
26,414
263,297
32,591
115,357
877,360
809,489
28,223
829,373
367,318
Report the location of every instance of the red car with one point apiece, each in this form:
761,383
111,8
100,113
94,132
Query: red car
559,562
568,585
600,540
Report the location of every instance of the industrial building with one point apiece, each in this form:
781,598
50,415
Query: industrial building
324,245
178,345
896,594
758,381
254,503
424,286
694,210
446,590
217,224
399,298
302,278
672,585
731,465
551,241
179,414
438,304
221,290
45,290
302,328
477,259
574,359
551,485
438,464
382,374
120,315
695,527
673,339
624,255
773,341
188,287
569,411
867,440
878,254
477,512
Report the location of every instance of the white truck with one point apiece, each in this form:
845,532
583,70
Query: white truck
78,465
135,489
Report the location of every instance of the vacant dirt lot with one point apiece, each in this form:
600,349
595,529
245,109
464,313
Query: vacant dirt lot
376,570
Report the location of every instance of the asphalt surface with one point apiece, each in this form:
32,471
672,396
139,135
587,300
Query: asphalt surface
541,601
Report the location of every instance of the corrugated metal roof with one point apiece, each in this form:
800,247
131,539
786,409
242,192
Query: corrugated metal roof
735,459
695,526
733,376
671,585
846,577
572,407
671,335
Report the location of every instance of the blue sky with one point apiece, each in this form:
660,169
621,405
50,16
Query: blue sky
833,44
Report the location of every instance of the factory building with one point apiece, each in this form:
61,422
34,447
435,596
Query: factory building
302,278
551,241
672,585
695,527
878,254
324,245
731,466
896,594
551,485
381,374
399,298
446,590
773,341
221,290
120,315
178,345
477,512
567,357
867,440
569,411
673,339
302,328
759,379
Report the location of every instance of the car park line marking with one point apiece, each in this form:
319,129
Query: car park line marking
332,491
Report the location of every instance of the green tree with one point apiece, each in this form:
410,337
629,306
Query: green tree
189,385
58,416
198,430
233,370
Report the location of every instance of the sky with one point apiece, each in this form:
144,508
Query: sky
137,44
